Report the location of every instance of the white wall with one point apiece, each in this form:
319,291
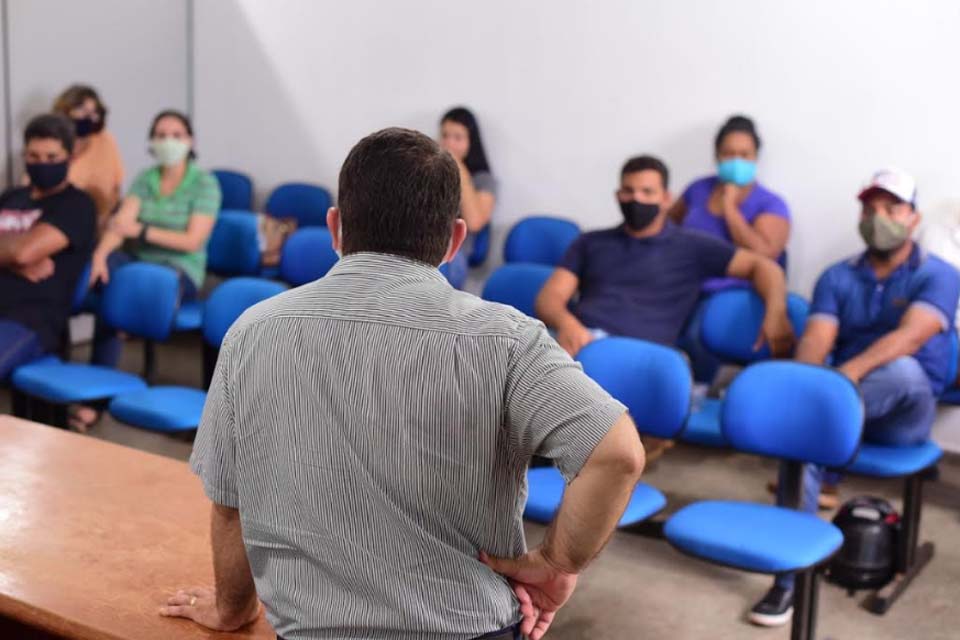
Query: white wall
132,51
566,90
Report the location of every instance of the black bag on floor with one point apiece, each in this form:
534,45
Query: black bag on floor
867,559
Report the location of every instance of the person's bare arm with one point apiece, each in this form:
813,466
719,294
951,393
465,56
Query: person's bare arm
916,327
551,308
767,235
194,238
476,207
545,578
817,342
767,278
22,250
112,238
232,603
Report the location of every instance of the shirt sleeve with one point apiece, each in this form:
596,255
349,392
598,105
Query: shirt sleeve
552,408
484,181
826,298
140,186
939,292
713,254
214,449
207,198
775,205
573,260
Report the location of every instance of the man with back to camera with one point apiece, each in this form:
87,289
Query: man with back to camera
366,437
47,233
642,279
885,316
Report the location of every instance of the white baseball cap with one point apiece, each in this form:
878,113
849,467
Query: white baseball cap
895,182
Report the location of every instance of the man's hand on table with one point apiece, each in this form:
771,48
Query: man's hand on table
200,605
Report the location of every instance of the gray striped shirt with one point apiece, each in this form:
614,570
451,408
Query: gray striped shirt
374,429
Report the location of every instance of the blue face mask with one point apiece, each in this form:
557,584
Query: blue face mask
737,170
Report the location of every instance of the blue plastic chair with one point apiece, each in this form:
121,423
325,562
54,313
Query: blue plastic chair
307,255
800,414
540,239
731,324
308,203
234,246
481,247
517,285
236,189
175,408
141,300
654,383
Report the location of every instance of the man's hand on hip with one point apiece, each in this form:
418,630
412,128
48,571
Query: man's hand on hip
540,586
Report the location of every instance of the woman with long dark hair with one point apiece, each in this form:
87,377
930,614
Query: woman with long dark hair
460,135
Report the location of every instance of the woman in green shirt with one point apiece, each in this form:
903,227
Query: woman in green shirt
166,218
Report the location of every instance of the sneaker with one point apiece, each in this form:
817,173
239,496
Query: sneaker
775,610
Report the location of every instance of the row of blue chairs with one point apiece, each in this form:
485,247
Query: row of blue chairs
305,202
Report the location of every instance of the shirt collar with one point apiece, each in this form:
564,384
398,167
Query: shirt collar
386,266
917,256
188,177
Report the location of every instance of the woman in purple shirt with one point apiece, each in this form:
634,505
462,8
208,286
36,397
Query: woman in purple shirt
732,205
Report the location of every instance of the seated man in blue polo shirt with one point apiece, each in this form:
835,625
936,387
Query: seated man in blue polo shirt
642,279
885,316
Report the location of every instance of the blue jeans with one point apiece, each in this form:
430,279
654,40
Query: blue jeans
703,363
900,409
107,345
18,345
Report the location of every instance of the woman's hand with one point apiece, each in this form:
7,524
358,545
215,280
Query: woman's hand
99,272
125,228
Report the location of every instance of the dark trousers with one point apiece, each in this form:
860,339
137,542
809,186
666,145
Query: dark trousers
18,345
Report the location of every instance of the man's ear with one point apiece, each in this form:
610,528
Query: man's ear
456,239
917,219
333,224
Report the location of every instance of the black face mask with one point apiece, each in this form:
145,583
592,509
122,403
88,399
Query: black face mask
639,215
47,175
86,126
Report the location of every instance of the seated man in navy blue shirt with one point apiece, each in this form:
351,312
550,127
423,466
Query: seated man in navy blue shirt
885,316
642,279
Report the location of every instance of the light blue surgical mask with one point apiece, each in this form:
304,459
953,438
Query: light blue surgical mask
739,171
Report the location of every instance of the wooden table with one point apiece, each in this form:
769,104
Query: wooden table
94,536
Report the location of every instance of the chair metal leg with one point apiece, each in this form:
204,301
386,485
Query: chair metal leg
210,355
20,404
793,488
806,596
912,557
149,361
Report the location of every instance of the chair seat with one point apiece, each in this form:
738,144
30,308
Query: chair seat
753,537
68,382
189,316
703,425
894,462
545,491
160,408
951,396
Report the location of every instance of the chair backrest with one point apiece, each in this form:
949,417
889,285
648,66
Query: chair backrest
141,299
229,300
307,255
732,321
234,246
652,380
517,285
794,411
308,203
481,247
540,239
236,189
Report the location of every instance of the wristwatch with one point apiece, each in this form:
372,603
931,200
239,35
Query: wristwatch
142,238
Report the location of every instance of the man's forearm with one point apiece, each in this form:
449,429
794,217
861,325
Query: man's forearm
236,592
554,314
9,245
592,505
811,352
893,345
